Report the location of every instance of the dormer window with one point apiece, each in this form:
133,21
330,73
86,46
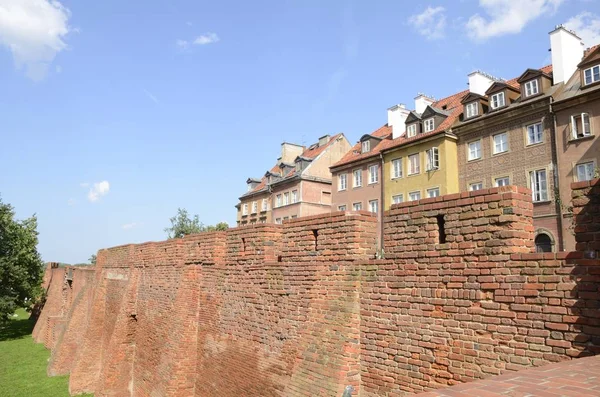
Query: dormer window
592,74
531,88
471,109
411,130
497,100
429,125
366,146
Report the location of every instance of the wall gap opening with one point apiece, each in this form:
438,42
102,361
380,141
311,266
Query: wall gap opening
243,244
316,236
441,222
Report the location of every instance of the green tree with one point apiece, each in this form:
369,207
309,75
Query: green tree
21,266
219,227
92,259
182,225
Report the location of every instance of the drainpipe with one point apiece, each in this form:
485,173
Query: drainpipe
382,206
556,168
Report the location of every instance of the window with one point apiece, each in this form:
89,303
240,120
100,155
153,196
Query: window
504,181
500,143
539,185
286,198
592,74
357,206
474,150
475,186
249,186
254,207
342,181
429,125
585,171
534,133
397,199
531,88
413,164
294,196
413,196
397,168
411,130
433,159
245,209
373,174
294,217
497,100
366,146
357,178
373,206
472,109
341,208
264,205
278,202
580,126
278,221
543,243
434,192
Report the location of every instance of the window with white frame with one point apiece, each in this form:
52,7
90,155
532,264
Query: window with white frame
357,178
502,181
357,206
366,146
472,109
580,126
433,159
413,164
342,181
535,133
286,198
341,208
396,168
474,150
538,185
373,206
531,88
373,173
434,192
592,74
294,196
475,186
264,204
278,221
397,199
245,209
500,143
411,130
413,196
429,124
585,171
497,100
254,207
278,200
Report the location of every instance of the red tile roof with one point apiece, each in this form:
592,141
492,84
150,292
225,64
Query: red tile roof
356,154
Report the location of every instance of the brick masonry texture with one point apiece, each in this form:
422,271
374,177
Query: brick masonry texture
303,309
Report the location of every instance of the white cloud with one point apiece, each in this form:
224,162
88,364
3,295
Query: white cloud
151,96
129,225
431,23
206,38
98,190
182,44
587,26
507,16
71,202
34,31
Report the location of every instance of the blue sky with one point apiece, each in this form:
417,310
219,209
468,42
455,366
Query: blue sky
115,113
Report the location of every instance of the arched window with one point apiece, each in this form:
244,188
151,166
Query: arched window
543,243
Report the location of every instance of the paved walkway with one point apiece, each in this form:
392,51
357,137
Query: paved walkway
575,378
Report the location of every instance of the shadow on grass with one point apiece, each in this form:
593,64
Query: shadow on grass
17,328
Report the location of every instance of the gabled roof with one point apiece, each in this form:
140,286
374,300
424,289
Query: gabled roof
369,136
432,110
498,86
591,55
412,117
530,74
547,70
471,96
251,180
355,154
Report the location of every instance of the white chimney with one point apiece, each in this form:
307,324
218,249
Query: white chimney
567,51
421,102
479,82
397,115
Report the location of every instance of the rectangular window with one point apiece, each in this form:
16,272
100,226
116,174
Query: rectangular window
475,186
397,168
592,74
429,124
254,207
342,181
341,208
286,198
366,146
397,199
278,202
278,221
373,173
435,192
294,196
413,164
585,171
539,185
245,209
580,126
411,130
357,178
373,206
534,133
497,100
474,150
413,196
500,143
531,88
294,217
504,181
433,159
264,204
472,109
357,206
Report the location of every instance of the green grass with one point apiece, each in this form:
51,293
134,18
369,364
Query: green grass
23,363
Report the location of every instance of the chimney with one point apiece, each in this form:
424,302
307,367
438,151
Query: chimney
289,152
323,140
479,82
567,51
421,102
397,115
